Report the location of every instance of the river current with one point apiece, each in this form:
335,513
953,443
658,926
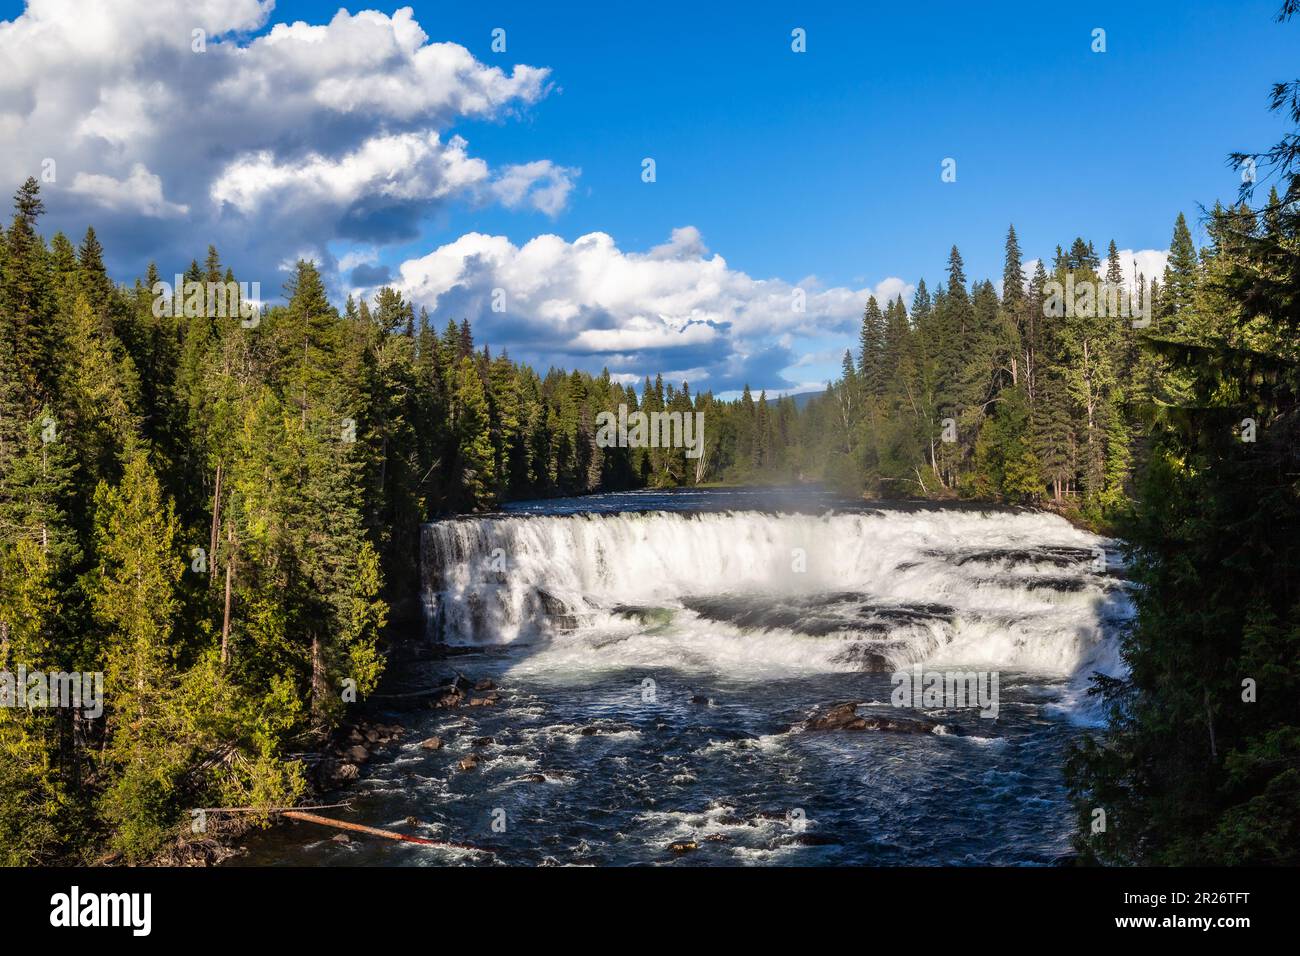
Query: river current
653,651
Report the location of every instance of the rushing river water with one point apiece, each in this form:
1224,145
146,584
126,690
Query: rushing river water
653,650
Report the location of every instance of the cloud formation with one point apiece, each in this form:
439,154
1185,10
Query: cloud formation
1147,263
676,308
268,142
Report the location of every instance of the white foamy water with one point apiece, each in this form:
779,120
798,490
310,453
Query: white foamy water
656,669
754,595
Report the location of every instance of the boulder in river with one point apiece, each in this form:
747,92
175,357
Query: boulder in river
557,611
452,698
845,717
335,773
433,743
838,717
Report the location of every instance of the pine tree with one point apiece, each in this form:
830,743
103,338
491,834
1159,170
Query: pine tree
1180,275
28,328
1013,273
135,601
871,347
477,467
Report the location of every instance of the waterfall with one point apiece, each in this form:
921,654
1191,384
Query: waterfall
872,590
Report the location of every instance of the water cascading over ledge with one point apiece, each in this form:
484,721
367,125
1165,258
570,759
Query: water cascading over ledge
838,591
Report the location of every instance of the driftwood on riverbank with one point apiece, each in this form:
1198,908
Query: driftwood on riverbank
376,832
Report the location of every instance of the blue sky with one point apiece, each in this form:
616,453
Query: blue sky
820,168
828,163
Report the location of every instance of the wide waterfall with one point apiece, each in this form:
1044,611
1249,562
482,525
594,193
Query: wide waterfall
764,592
641,671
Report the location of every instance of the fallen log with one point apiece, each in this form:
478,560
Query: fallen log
375,831
323,806
440,689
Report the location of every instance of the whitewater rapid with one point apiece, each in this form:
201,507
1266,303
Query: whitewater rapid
759,595
657,656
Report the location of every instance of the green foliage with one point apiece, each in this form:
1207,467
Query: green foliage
224,518
1201,761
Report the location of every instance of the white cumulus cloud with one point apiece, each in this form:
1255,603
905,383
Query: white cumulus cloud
217,125
140,193
676,306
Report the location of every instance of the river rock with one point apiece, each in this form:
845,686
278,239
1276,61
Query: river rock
839,717
683,846
845,717
358,754
468,763
557,611
452,698
484,684
902,725
433,743
865,657
334,773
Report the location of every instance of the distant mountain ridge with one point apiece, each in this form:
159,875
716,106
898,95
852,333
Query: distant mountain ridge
800,400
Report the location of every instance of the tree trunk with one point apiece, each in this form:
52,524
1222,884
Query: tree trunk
216,525
225,619
317,677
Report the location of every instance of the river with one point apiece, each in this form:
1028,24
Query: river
653,649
